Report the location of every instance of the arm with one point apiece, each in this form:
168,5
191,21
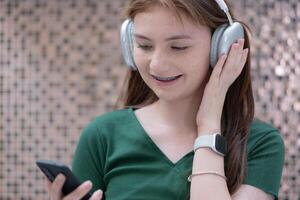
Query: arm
212,187
88,161
248,192
215,187
208,186
86,166
245,192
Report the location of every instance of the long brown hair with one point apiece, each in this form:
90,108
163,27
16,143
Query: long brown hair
238,110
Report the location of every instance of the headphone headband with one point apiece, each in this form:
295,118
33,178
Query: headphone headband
224,7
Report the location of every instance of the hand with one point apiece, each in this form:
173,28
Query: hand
223,75
55,190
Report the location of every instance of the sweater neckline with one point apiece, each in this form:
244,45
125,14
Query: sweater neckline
159,152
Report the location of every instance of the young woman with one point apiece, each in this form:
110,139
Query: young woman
176,103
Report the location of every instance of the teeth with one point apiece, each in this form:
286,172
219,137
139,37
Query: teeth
166,78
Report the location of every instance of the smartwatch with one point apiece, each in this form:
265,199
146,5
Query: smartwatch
216,142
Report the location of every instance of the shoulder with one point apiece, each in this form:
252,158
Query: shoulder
113,116
260,128
265,157
107,123
264,135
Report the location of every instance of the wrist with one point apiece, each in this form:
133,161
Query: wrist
209,125
208,130
215,142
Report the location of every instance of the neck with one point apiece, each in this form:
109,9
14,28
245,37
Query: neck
179,115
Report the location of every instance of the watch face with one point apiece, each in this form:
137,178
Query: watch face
221,144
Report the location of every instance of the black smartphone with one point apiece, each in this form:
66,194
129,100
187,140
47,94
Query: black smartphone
52,168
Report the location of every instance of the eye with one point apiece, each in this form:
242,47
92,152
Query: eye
179,48
144,47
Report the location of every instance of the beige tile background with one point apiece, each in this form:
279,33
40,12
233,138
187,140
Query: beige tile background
60,66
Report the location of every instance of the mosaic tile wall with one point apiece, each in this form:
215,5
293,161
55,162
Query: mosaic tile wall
60,66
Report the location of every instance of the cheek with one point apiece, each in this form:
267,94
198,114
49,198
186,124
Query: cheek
202,52
198,68
198,75
198,61
139,59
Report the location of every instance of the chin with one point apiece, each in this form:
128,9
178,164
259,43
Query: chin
172,95
178,95
177,92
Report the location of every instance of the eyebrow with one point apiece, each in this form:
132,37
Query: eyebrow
175,37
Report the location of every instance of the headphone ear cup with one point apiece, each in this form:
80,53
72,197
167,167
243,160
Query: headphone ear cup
215,41
223,37
126,37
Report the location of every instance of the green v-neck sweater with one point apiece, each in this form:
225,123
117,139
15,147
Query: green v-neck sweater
119,157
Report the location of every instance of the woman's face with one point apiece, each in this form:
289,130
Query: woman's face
164,47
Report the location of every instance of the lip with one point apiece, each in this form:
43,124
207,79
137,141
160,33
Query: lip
168,83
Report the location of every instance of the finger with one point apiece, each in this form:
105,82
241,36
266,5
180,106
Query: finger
244,58
228,79
56,187
232,57
218,68
241,42
48,184
97,195
239,52
233,61
80,191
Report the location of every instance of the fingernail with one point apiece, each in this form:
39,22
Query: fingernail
88,183
61,177
98,193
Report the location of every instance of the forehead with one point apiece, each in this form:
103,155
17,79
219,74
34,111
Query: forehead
158,18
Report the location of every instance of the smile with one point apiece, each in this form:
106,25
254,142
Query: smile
166,79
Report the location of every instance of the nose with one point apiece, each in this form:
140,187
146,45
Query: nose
158,62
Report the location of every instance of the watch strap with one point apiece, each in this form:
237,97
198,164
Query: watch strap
209,141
